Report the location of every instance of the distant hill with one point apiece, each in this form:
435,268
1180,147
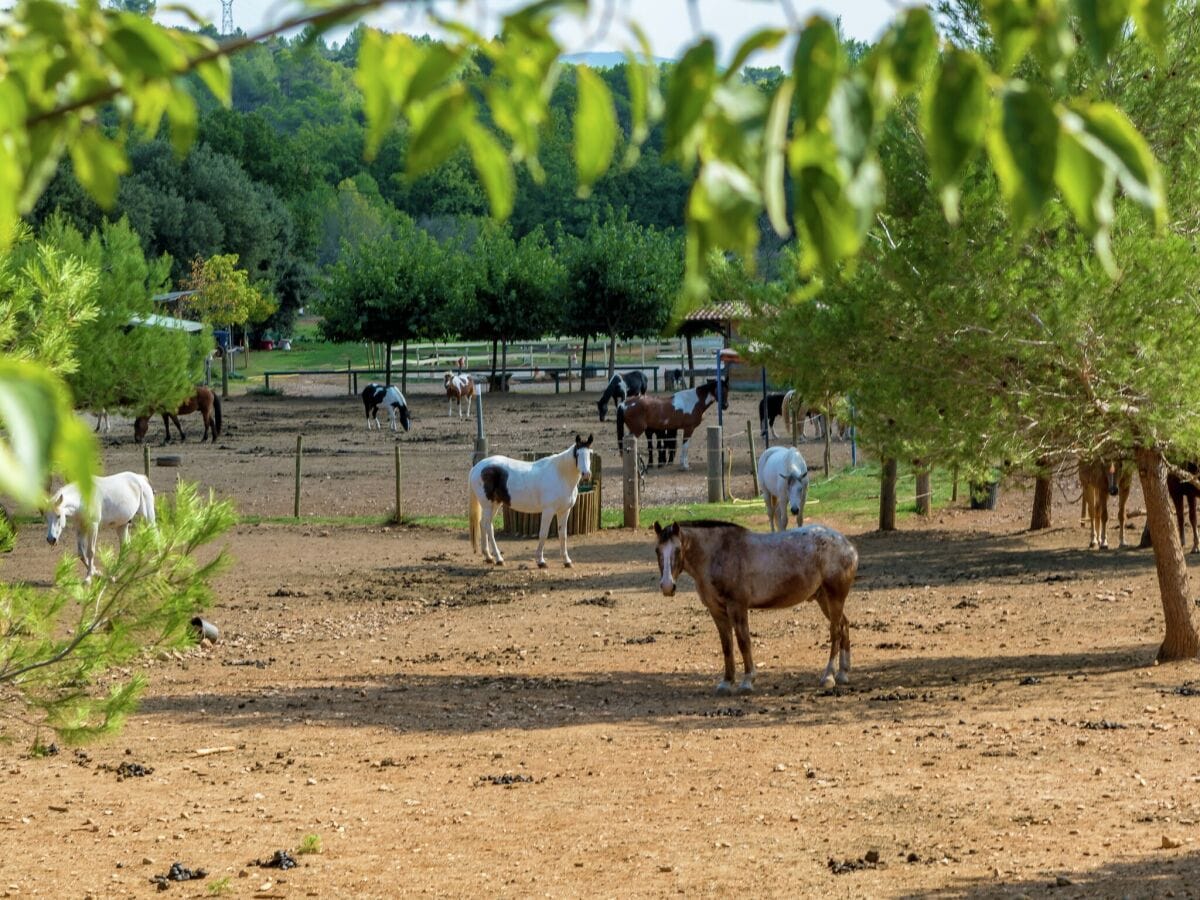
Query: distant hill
604,60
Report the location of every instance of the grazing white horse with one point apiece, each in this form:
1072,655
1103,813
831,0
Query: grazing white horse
116,500
390,398
783,476
549,486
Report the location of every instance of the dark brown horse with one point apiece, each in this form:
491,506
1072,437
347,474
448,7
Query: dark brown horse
684,410
1181,487
203,401
737,570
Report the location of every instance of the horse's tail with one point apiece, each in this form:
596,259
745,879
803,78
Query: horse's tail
475,520
621,427
145,499
217,415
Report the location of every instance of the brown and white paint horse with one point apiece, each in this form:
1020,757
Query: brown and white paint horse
737,570
458,389
684,410
203,401
1100,480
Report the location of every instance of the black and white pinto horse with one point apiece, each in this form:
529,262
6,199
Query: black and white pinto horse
631,384
771,408
389,397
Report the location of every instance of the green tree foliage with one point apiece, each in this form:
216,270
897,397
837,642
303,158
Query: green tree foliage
224,294
396,288
622,281
138,367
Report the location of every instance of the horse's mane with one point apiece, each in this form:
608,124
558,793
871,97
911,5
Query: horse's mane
711,523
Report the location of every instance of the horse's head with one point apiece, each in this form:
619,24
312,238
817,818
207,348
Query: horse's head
447,378
1113,472
602,407
140,426
405,418
724,394
795,485
670,557
582,451
56,518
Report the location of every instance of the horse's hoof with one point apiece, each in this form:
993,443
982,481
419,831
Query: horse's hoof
841,678
724,689
567,564
745,688
828,681
541,564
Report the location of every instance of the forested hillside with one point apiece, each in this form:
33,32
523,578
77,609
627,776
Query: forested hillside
281,179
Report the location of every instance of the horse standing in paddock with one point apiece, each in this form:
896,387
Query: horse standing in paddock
390,398
770,408
1180,488
204,401
1099,480
783,476
621,387
737,570
685,410
116,500
549,486
458,389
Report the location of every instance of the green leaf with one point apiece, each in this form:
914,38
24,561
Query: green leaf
494,169
1109,136
373,80
912,46
829,232
1151,19
688,92
1101,22
218,78
595,128
1087,188
181,109
954,118
144,46
1024,148
99,164
1014,24
816,67
852,120
763,39
774,157
438,63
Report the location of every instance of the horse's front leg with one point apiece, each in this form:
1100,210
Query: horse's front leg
683,453
543,533
562,515
769,498
490,547
740,614
724,629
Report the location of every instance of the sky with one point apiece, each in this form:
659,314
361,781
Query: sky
667,23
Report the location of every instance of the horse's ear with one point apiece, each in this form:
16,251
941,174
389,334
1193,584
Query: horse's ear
674,529
658,528
589,440
578,440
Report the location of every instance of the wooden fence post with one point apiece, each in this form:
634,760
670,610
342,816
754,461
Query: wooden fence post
481,444
299,453
349,377
630,499
398,507
225,374
753,456
716,491
146,459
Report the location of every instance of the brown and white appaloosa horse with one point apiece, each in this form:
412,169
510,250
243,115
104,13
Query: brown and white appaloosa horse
458,389
204,401
683,411
1101,479
737,570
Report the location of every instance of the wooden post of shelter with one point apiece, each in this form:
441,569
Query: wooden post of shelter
299,454
716,492
399,509
753,456
631,501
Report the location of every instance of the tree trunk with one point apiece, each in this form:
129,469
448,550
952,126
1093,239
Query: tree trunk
887,496
612,355
583,366
924,493
404,367
1180,640
691,364
1043,497
494,345
387,363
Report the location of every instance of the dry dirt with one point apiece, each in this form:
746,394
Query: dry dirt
450,729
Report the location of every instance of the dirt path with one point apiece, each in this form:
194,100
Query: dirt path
453,730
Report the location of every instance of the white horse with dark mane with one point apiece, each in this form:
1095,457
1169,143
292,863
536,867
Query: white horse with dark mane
116,501
549,486
783,475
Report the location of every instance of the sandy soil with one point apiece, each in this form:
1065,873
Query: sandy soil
1004,733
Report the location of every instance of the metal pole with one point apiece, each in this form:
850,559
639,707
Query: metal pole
766,422
753,456
299,454
225,374
853,439
481,444
720,414
631,501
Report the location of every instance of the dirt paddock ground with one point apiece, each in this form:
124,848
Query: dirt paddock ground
449,729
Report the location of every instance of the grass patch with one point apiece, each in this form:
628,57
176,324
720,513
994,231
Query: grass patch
220,887
310,844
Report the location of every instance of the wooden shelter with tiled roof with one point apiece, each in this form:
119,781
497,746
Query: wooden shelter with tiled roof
714,318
